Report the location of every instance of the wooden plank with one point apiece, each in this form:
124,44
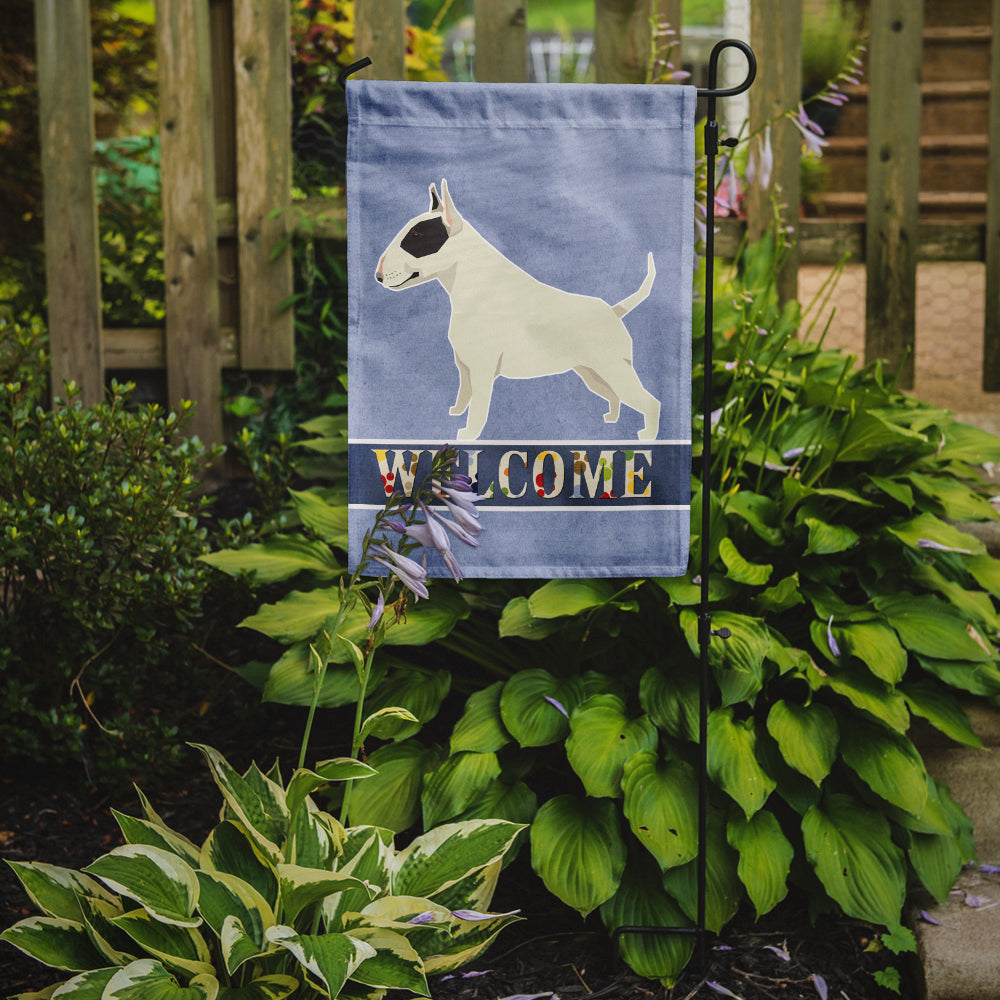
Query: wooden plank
776,36
501,40
380,34
893,183
72,257
262,61
190,254
991,332
621,40
144,348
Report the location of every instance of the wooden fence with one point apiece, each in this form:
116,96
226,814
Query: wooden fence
226,160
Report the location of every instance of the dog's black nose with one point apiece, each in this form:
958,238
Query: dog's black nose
378,276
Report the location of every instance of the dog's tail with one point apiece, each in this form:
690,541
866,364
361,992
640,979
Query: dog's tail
628,304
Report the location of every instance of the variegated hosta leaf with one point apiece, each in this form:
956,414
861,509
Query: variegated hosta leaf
456,784
467,940
850,847
86,986
732,760
888,763
141,831
177,947
238,945
476,890
224,897
256,801
395,964
273,987
481,727
315,838
391,799
54,941
765,858
160,882
602,737
304,782
329,959
807,736
300,887
367,853
149,980
230,849
642,902
441,857
578,851
723,889
56,891
661,799
535,706
116,947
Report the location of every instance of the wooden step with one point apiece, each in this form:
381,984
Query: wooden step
956,53
957,206
947,162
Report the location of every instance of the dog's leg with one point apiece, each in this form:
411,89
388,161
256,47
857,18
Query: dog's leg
481,394
622,379
599,387
464,389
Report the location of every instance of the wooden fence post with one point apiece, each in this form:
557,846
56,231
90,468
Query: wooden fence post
501,40
262,60
991,332
893,183
380,34
621,40
776,35
72,256
190,252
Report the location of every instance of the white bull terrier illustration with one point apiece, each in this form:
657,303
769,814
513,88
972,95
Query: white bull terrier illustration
505,322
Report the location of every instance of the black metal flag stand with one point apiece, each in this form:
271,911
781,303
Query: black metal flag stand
705,631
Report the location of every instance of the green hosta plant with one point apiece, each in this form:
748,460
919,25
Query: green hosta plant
279,900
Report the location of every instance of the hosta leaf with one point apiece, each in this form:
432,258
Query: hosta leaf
330,959
965,443
602,738
876,646
986,571
976,605
367,853
301,887
141,831
870,435
976,678
418,690
327,520
683,591
850,848
54,941
56,891
466,941
723,889
517,620
230,849
932,628
280,557
738,661
827,539
578,851
516,803
395,964
807,736
274,987
758,511
739,569
866,692
765,858
87,986
732,760
927,527
641,901
888,763
147,979
456,784
304,782
391,798
937,860
783,595
387,723
661,798
957,501
558,598
159,881
441,857
225,897
529,706
941,709
671,699
180,948
481,727
98,916
292,681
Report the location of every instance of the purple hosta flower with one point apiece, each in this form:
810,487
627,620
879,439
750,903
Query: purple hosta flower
927,918
475,915
558,705
728,195
834,648
439,540
427,917
465,975
820,983
811,132
377,611
792,453
459,528
780,952
531,996
460,496
410,573
990,869
760,166
927,543
719,988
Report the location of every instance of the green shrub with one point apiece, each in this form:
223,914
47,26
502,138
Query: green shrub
99,540
280,899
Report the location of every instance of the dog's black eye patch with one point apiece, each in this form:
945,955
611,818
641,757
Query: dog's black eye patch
425,238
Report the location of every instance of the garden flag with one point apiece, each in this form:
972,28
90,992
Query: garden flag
520,270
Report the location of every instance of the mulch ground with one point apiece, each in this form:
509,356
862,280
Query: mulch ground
60,821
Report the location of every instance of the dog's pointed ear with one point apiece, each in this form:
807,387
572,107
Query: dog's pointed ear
452,220
436,205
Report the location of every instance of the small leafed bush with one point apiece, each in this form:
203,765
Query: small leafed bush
280,899
99,578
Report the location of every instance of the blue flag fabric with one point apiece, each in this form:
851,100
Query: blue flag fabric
520,261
